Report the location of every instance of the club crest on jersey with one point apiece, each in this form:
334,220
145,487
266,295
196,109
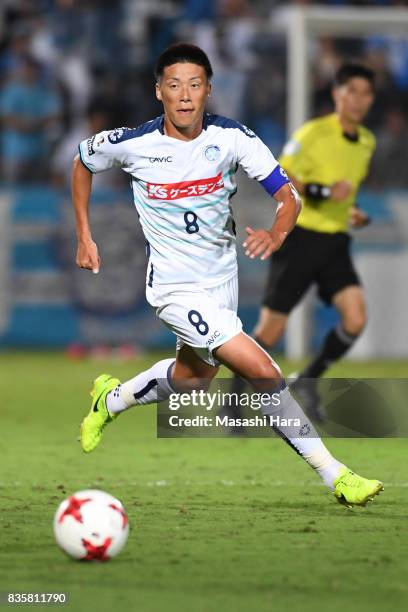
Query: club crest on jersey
212,152
115,135
185,189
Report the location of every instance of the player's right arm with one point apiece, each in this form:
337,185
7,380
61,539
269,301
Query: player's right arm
259,163
87,252
96,154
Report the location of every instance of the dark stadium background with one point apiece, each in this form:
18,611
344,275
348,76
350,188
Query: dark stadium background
89,65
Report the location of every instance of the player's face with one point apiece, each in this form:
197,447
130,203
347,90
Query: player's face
183,89
353,100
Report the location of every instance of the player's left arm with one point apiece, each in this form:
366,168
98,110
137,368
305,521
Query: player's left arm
264,242
259,163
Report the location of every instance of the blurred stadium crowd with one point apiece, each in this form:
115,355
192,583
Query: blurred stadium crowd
69,68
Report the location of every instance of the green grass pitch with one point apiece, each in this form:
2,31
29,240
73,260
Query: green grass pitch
226,524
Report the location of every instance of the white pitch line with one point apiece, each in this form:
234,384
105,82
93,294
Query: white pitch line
188,483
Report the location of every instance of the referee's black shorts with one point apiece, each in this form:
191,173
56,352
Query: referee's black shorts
307,257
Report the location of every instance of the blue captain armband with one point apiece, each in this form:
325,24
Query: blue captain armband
275,180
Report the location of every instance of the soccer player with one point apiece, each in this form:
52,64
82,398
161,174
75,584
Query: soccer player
182,167
326,160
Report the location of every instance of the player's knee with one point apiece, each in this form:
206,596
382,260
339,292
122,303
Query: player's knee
355,323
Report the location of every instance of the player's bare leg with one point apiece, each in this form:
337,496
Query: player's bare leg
190,372
268,330
247,359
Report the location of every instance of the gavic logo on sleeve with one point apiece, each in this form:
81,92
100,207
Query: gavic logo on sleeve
94,142
163,160
186,189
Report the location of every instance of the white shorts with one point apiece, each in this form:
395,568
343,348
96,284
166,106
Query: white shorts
202,318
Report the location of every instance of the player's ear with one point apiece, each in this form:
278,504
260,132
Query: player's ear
334,94
209,87
158,92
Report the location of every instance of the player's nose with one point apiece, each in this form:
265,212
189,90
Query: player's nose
185,96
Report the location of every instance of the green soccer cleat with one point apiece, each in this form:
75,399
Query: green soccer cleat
353,490
98,417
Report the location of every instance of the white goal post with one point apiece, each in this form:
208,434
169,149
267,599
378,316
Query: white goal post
302,24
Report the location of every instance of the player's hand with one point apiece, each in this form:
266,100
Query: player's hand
358,218
87,256
340,191
262,242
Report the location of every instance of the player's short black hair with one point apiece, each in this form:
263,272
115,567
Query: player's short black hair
350,71
183,53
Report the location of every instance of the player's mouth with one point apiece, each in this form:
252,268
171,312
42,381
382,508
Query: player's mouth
185,111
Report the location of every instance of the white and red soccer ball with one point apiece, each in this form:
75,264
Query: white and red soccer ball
91,525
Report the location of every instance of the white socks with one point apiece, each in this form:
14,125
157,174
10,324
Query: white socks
151,386
303,438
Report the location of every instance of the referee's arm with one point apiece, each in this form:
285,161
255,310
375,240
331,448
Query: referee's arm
338,191
316,191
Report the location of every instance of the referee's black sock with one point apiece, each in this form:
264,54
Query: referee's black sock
335,345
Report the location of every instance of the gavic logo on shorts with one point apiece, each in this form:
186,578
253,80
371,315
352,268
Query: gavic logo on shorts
186,189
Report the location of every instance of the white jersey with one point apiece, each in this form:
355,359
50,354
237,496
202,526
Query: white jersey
182,192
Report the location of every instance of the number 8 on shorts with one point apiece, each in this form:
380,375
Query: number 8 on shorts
197,321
